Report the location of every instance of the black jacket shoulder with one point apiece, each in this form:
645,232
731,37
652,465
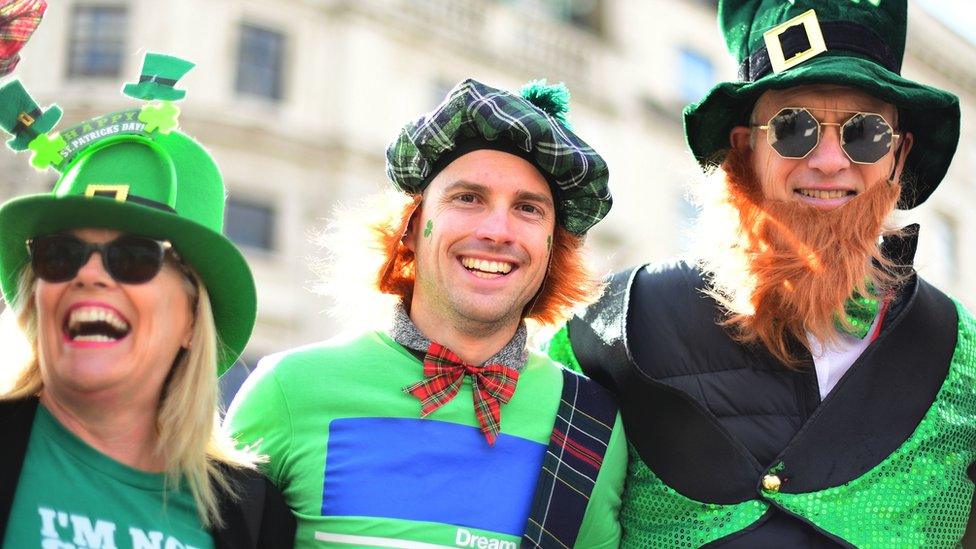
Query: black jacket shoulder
256,515
671,298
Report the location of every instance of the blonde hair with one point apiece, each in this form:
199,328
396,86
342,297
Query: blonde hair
193,447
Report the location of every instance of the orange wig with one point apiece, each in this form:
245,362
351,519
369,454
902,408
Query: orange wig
569,281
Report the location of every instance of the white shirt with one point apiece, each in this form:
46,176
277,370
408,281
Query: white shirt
833,362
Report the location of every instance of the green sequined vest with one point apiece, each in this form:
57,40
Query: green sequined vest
919,496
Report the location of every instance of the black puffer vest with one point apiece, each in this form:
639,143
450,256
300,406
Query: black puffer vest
710,416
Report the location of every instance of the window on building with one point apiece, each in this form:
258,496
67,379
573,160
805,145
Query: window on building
97,40
696,75
250,223
586,14
260,61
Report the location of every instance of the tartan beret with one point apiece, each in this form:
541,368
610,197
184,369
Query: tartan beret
475,116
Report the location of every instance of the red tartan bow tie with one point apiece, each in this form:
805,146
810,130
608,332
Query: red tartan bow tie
491,386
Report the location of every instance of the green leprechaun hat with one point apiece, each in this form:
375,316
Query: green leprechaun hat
786,43
150,183
160,73
21,117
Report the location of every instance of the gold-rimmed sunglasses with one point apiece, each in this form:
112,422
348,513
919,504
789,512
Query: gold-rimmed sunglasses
794,132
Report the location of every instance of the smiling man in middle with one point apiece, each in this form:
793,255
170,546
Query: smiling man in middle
445,430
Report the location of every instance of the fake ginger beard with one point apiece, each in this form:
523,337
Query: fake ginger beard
784,269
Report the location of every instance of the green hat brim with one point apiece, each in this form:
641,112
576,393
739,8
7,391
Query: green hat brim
930,114
42,124
154,90
218,262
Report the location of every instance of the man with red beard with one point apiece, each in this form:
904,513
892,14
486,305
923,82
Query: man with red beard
798,385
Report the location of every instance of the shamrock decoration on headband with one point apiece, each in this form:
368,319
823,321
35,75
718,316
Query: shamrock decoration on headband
160,116
32,127
160,73
47,150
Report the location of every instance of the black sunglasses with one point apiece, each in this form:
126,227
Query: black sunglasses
793,132
128,259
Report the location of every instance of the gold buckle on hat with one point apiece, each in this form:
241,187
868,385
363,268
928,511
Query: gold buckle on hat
118,192
25,119
811,26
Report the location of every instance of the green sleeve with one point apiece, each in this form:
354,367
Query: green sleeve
601,524
560,349
259,418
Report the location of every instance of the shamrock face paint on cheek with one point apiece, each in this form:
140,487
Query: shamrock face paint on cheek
549,243
429,228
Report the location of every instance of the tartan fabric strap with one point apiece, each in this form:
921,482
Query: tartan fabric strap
18,20
491,386
579,441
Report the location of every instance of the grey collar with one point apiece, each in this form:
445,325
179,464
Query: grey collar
405,332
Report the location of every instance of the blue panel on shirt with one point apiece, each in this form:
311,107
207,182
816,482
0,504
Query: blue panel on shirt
434,471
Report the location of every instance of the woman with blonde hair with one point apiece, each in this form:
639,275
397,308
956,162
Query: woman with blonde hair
132,301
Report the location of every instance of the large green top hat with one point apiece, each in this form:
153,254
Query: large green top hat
858,43
118,175
531,125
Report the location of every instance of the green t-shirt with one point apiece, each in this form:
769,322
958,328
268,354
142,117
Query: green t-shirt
72,495
359,467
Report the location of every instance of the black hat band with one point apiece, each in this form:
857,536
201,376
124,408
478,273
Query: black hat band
26,120
150,203
838,35
158,79
136,199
